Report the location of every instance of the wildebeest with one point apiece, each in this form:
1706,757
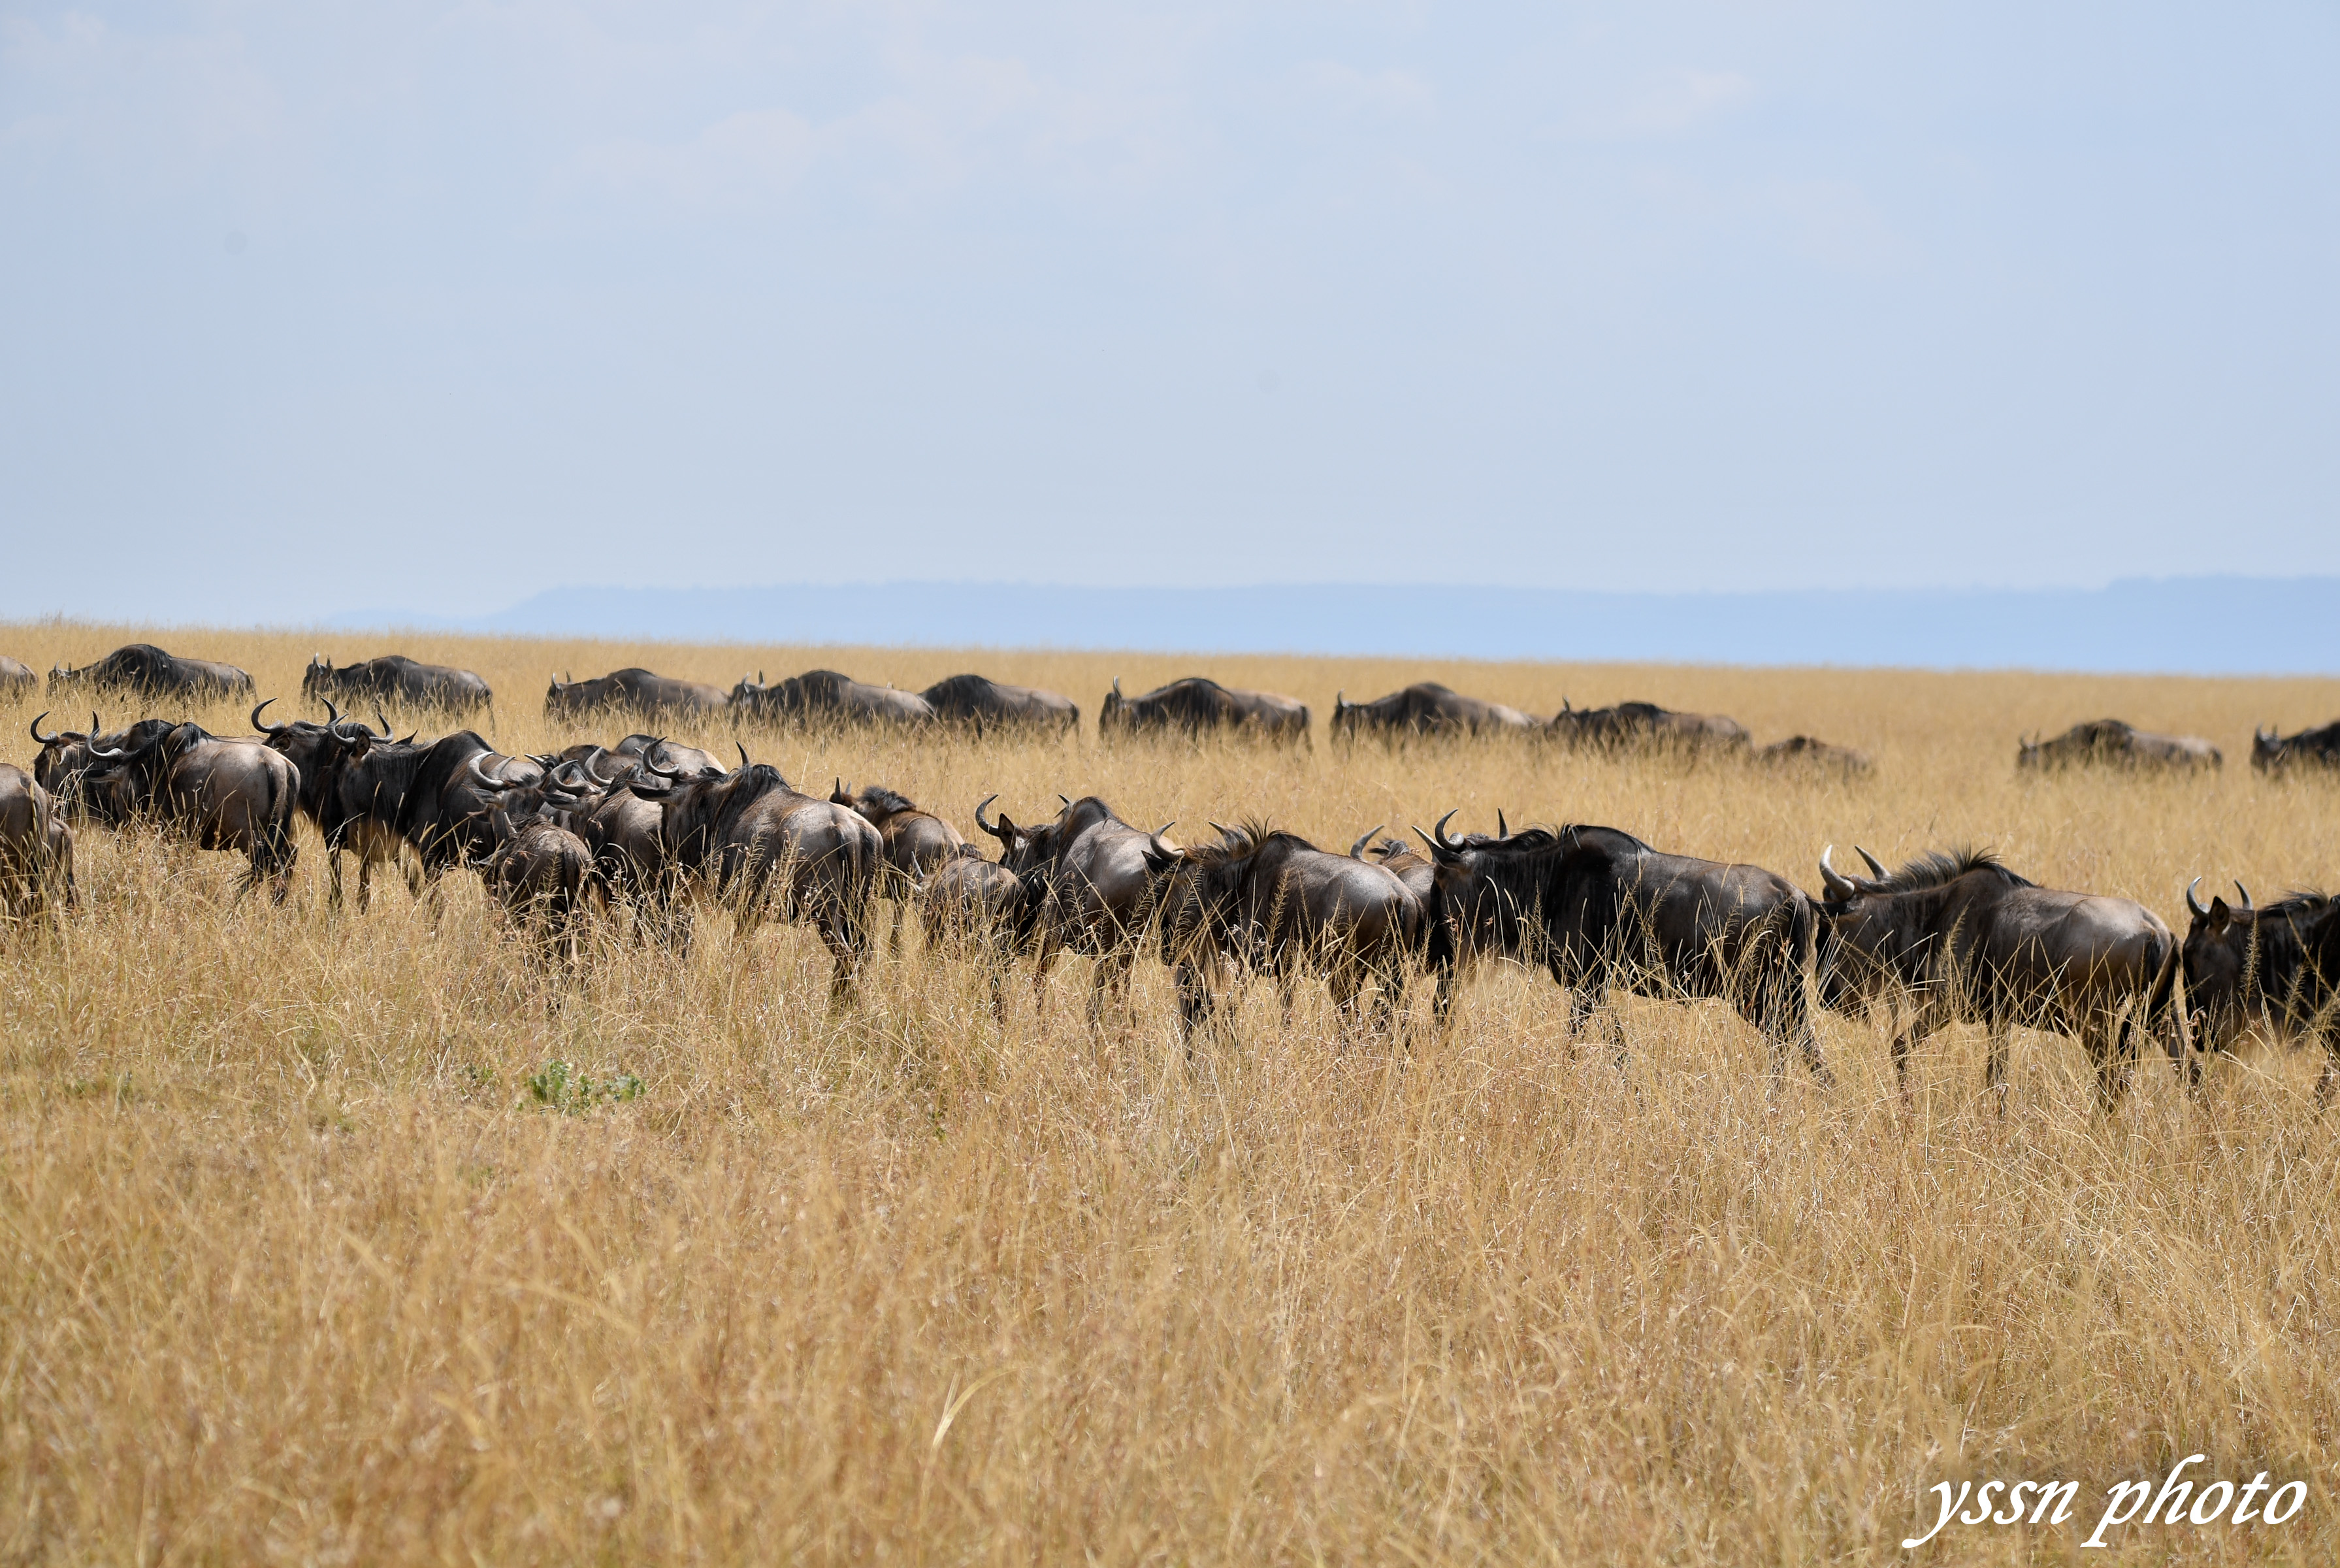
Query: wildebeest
143,669
633,690
16,676
913,842
341,821
1089,886
424,795
1195,705
2276,968
220,793
1965,938
1804,751
541,873
1597,907
2271,752
2111,743
1416,871
1645,725
628,754
732,834
824,694
1267,900
394,680
63,758
1426,708
988,704
35,847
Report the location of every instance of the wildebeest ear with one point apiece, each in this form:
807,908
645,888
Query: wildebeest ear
2220,914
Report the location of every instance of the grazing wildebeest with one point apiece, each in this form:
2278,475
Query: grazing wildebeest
16,676
1965,939
143,669
541,873
988,704
1259,900
1195,705
1090,885
394,680
1804,751
1638,725
826,694
2271,752
633,690
63,758
914,842
2276,968
2109,743
221,793
341,821
625,833
1597,907
1426,708
35,847
732,834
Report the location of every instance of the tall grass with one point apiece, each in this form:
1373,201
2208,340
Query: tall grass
300,1259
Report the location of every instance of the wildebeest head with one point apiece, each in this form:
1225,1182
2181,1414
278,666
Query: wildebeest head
1490,889
698,809
1113,713
751,690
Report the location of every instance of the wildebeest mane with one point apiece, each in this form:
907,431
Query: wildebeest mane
885,802
424,774
1937,867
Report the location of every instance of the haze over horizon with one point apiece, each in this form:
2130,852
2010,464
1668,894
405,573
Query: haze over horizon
313,313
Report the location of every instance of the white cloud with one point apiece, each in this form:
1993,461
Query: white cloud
1670,104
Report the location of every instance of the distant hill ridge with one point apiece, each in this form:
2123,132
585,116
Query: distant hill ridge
2196,625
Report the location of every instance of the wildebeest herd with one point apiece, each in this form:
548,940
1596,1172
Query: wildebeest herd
628,839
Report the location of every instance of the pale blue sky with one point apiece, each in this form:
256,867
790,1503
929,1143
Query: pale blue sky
318,307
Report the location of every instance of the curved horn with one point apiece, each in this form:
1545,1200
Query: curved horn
1357,849
332,714
99,751
480,775
2246,892
837,795
1836,881
1438,834
1876,870
759,677
1502,828
53,737
383,719
1154,840
744,763
994,828
2194,903
256,724
410,737
595,773
655,771
1337,703
1069,804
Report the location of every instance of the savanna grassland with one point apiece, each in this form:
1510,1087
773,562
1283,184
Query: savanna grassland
308,1256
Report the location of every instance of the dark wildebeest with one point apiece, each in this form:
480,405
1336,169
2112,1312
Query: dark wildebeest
16,676
633,690
2271,752
63,758
341,821
1426,708
1195,705
221,793
2276,968
1262,900
1598,909
973,907
1804,751
1090,885
627,756
2109,743
731,834
426,795
824,694
541,873
1645,725
1965,939
914,842
988,704
35,847
394,680
1414,870
143,669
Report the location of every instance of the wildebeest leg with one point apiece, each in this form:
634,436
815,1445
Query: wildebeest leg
333,879
1197,1003
1994,1071
894,939
2116,1064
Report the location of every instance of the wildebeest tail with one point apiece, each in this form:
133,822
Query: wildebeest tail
2158,1012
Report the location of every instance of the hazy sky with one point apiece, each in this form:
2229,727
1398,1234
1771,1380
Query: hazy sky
307,308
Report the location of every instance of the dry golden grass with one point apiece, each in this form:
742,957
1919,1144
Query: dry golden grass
293,1266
